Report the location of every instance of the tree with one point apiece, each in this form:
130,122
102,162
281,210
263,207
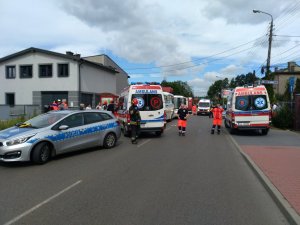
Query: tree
297,86
179,88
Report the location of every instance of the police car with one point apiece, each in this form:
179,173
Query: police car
57,132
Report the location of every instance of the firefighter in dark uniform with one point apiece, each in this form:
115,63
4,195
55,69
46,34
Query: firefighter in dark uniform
182,119
135,120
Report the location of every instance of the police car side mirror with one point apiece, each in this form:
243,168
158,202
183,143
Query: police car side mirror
63,127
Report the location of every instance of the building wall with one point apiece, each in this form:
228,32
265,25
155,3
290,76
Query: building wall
121,77
94,80
283,76
25,87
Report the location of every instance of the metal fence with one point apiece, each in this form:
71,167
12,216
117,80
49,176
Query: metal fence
9,112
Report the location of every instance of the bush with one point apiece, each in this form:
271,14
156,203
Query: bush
9,123
283,118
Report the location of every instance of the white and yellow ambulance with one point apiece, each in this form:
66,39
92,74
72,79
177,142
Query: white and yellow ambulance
151,105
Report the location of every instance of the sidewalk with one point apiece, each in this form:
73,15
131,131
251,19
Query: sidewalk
277,164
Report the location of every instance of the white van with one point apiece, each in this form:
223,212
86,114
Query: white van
178,100
204,106
248,108
151,105
169,105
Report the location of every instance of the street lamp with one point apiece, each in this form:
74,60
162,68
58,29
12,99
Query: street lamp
270,38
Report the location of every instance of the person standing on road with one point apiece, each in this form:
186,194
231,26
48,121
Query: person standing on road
194,109
135,120
182,119
217,118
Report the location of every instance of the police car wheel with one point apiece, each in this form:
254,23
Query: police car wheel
41,153
109,141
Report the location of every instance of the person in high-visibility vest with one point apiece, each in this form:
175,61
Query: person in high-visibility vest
217,118
182,119
194,109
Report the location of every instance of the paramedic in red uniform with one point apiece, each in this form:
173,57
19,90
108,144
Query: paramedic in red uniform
194,109
135,120
182,117
217,121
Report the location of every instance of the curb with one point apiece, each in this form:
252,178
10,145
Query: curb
284,206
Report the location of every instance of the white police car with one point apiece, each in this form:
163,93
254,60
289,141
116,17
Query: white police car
57,132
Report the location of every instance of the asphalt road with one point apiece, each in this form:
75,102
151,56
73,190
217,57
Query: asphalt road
170,180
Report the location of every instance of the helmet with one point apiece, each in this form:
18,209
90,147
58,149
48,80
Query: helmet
135,101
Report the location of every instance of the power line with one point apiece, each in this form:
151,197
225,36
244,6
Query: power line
192,61
188,67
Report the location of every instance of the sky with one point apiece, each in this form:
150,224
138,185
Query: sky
194,41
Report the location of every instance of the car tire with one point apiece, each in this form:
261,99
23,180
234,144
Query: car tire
110,141
41,153
264,131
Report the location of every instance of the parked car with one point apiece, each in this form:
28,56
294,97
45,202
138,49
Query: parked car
57,132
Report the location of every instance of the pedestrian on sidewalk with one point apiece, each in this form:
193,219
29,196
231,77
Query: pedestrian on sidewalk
217,118
135,120
182,119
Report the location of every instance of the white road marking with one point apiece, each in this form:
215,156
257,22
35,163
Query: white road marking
143,143
41,204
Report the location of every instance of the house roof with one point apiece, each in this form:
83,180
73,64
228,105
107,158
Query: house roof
69,55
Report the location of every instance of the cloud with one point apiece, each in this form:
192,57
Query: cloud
240,12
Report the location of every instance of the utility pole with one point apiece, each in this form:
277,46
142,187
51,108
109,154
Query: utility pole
270,47
270,40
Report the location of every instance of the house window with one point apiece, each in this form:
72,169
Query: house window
10,98
10,72
63,70
26,71
45,70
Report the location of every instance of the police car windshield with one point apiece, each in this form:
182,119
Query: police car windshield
149,102
45,120
251,102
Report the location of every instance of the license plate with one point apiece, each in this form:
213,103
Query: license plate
244,124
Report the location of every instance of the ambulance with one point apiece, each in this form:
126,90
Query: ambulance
248,108
204,107
151,105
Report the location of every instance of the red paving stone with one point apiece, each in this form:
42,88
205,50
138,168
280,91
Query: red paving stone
281,164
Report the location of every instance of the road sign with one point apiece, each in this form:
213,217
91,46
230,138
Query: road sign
269,81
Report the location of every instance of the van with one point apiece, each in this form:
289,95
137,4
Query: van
169,105
178,100
248,108
151,105
204,107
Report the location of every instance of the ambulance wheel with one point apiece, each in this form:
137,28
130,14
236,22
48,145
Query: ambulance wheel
126,131
232,130
158,133
264,131
225,124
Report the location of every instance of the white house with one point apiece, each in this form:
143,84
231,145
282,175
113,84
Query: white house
38,77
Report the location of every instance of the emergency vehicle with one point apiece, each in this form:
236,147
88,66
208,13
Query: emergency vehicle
248,108
151,105
169,105
178,100
204,106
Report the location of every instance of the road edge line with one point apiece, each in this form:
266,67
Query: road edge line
283,205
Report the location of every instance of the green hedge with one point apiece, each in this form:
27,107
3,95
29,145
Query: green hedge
283,118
